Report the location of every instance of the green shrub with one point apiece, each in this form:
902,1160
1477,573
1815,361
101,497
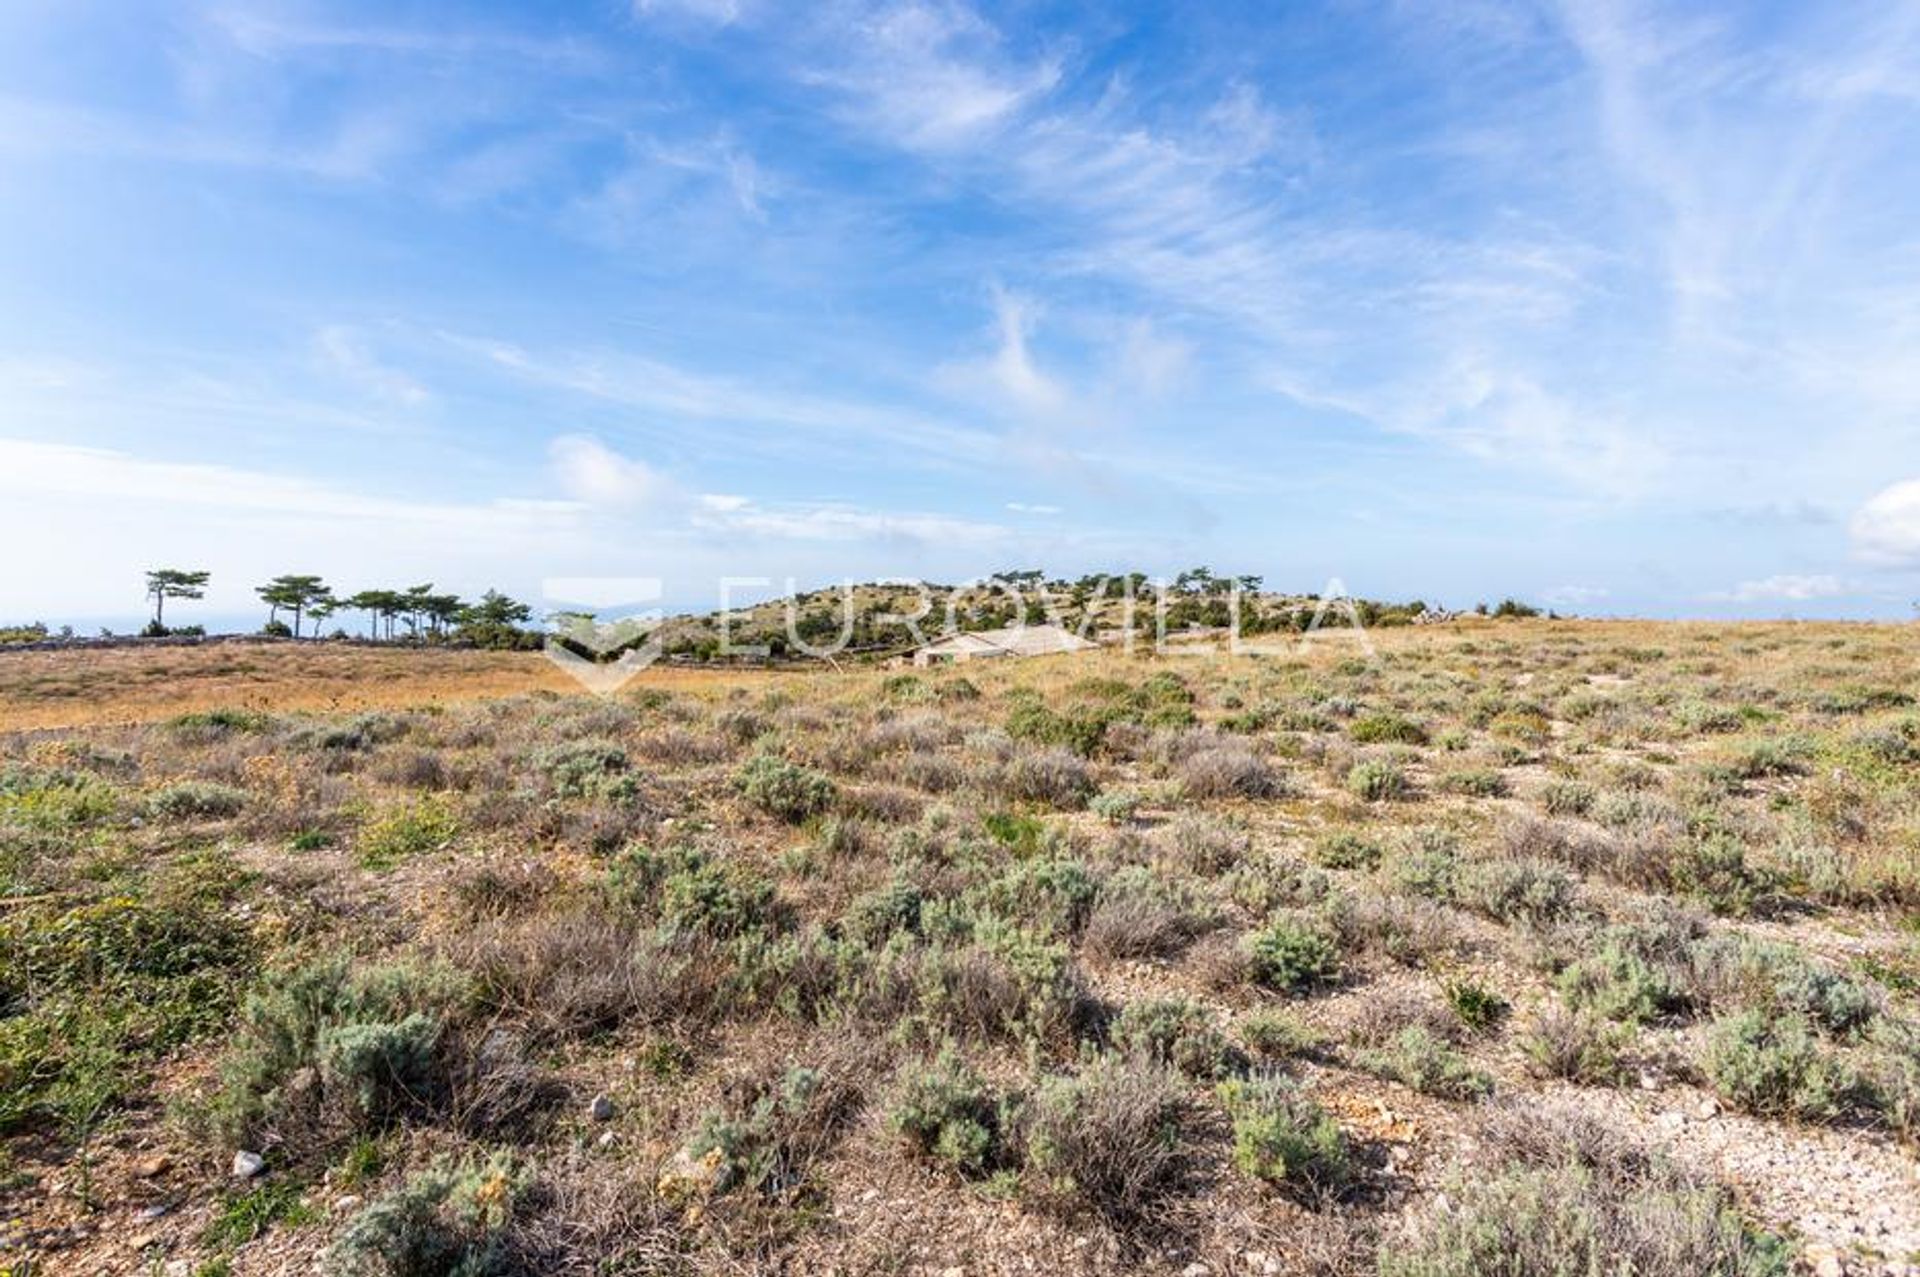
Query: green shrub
1590,1205
1715,870
1378,780
196,799
1387,729
764,1140
323,1053
1021,833
1116,806
1476,1006
1530,891
402,833
1081,730
1291,954
1002,982
886,911
593,769
1893,1077
381,1068
947,1113
1568,797
1416,1057
1619,984
1281,1136
1479,782
1772,1065
1346,850
786,790
1430,868
1277,1035
1049,894
444,1222
1174,1032
716,898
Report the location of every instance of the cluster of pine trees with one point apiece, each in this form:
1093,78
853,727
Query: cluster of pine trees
416,614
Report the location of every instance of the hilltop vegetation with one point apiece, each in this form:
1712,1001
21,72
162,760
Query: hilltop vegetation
1542,948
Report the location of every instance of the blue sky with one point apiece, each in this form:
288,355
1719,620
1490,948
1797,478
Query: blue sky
1613,306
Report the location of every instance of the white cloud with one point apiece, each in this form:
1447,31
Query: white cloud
1009,376
344,351
590,472
1024,507
1785,587
1150,361
1575,596
717,12
1887,528
930,76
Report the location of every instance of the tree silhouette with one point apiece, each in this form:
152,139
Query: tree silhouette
296,592
172,583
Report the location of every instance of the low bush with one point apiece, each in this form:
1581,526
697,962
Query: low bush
1386,729
1142,914
1229,770
947,1113
1177,1033
783,789
1277,1035
1568,797
1049,894
324,1053
401,833
1057,777
1569,1044
1528,891
450,1220
592,769
1346,850
1378,780
1281,1136
1773,1065
1418,1058
1107,1139
766,1137
1476,1006
1555,1194
1003,982
1292,954
196,799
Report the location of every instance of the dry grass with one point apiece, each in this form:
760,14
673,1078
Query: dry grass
729,903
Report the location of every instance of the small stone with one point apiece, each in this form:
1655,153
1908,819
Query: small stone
607,1139
1671,1121
602,1109
346,1202
248,1165
1708,1108
147,1214
153,1167
1196,1270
